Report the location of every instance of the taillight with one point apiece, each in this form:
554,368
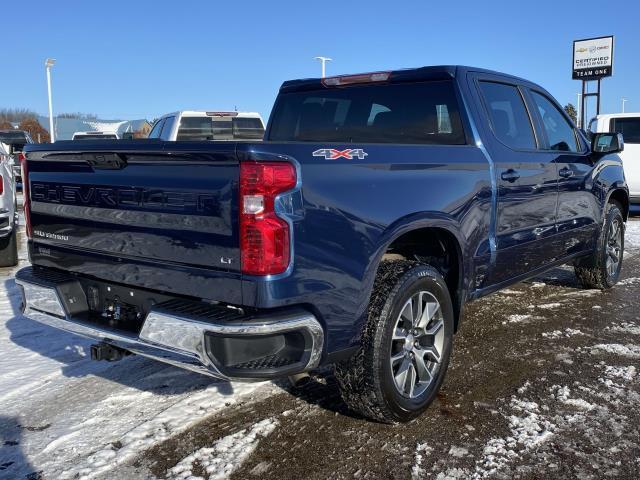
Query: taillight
25,193
1,185
222,114
264,236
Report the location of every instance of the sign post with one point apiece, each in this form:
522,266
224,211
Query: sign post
592,60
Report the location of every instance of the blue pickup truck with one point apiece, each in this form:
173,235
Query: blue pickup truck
378,205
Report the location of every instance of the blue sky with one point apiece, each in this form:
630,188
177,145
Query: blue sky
133,59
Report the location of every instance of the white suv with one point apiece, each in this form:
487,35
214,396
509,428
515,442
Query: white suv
201,126
628,124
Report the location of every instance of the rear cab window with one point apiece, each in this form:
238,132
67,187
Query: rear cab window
198,128
629,127
409,113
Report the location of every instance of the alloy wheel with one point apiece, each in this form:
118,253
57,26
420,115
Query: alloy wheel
614,247
417,344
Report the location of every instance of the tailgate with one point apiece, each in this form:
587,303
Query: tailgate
169,204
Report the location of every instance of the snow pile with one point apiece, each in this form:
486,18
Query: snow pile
422,450
568,332
528,429
631,351
548,306
155,430
561,394
458,452
516,318
625,373
226,455
625,327
454,474
629,281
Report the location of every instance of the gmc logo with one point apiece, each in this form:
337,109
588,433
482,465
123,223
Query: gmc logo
115,197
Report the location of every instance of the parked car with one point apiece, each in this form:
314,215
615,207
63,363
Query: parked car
378,206
95,135
8,211
200,126
13,142
628,124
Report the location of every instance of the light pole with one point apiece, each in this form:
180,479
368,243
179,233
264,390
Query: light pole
579,109
624,100
324,60
48,64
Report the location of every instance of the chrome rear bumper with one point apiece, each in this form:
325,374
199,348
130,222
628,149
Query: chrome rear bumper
171,334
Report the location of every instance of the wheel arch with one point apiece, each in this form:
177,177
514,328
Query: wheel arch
425,236
620,195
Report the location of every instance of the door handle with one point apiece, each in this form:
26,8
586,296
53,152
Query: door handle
510,175
565,172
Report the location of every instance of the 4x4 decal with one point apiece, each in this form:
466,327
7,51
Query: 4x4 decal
333,154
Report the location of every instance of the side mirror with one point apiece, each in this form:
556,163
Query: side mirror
604,143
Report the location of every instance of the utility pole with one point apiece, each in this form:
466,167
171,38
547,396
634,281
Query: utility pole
624,100
48,64
324,61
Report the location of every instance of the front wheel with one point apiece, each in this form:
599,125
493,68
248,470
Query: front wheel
602,269
405,347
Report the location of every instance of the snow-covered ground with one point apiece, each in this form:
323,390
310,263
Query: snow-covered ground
63,416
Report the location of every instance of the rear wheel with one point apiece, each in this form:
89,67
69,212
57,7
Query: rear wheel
405,347
9,250
602,269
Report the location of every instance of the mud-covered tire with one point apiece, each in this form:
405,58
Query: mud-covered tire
368,381
9,250
595,271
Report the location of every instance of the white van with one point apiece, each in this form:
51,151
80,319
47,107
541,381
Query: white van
200,126
628,124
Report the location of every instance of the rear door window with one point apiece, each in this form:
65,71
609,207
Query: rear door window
411,113
629,127
508,115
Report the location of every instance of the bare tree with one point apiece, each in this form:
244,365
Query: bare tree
37,132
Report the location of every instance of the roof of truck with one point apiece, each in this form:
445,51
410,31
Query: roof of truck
200,113
619,115
433,72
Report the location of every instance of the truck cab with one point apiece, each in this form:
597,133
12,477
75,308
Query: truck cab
628,124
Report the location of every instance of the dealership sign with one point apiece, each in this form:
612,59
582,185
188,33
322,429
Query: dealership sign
593,58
